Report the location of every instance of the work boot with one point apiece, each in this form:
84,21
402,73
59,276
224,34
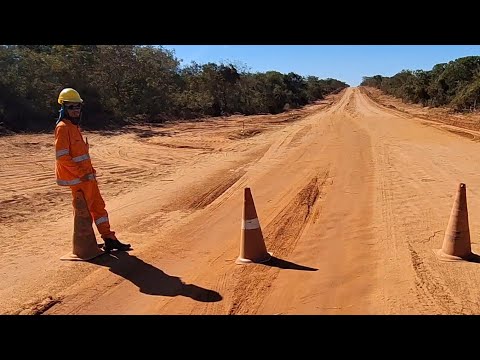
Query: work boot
111,244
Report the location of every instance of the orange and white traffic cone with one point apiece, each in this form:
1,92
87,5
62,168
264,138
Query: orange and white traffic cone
252,245
85,245
456,242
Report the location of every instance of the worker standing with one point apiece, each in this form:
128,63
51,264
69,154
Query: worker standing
73,166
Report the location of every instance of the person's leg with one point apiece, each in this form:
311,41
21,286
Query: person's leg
99,213
96,205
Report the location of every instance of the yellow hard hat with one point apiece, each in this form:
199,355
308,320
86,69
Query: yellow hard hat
69,95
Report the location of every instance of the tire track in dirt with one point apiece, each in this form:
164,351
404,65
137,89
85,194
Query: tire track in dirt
339,106
27,172
411,185
281,236
206,198
447,123
219,307
38,308
404,228
432,292
297,139
351,105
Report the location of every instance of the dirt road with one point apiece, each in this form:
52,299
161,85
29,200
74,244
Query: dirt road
352,197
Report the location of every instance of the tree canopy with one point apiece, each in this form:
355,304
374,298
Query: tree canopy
455,84
121,83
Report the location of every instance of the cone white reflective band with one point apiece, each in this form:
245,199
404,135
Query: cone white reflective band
250,224
81,158
101,220
62,152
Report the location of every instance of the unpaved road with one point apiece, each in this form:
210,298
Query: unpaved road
352,197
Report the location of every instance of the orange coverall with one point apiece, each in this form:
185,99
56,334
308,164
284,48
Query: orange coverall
72,164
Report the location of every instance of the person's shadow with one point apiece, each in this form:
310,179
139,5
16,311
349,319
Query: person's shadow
151,280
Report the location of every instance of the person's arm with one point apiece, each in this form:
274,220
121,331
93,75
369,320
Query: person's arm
62,150
88,150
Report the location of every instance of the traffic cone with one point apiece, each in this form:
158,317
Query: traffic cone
252,245
456,242
85,245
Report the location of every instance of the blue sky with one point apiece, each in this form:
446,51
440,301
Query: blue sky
347,63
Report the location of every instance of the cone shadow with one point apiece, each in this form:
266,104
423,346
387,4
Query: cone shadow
151,280
474,258
284,264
